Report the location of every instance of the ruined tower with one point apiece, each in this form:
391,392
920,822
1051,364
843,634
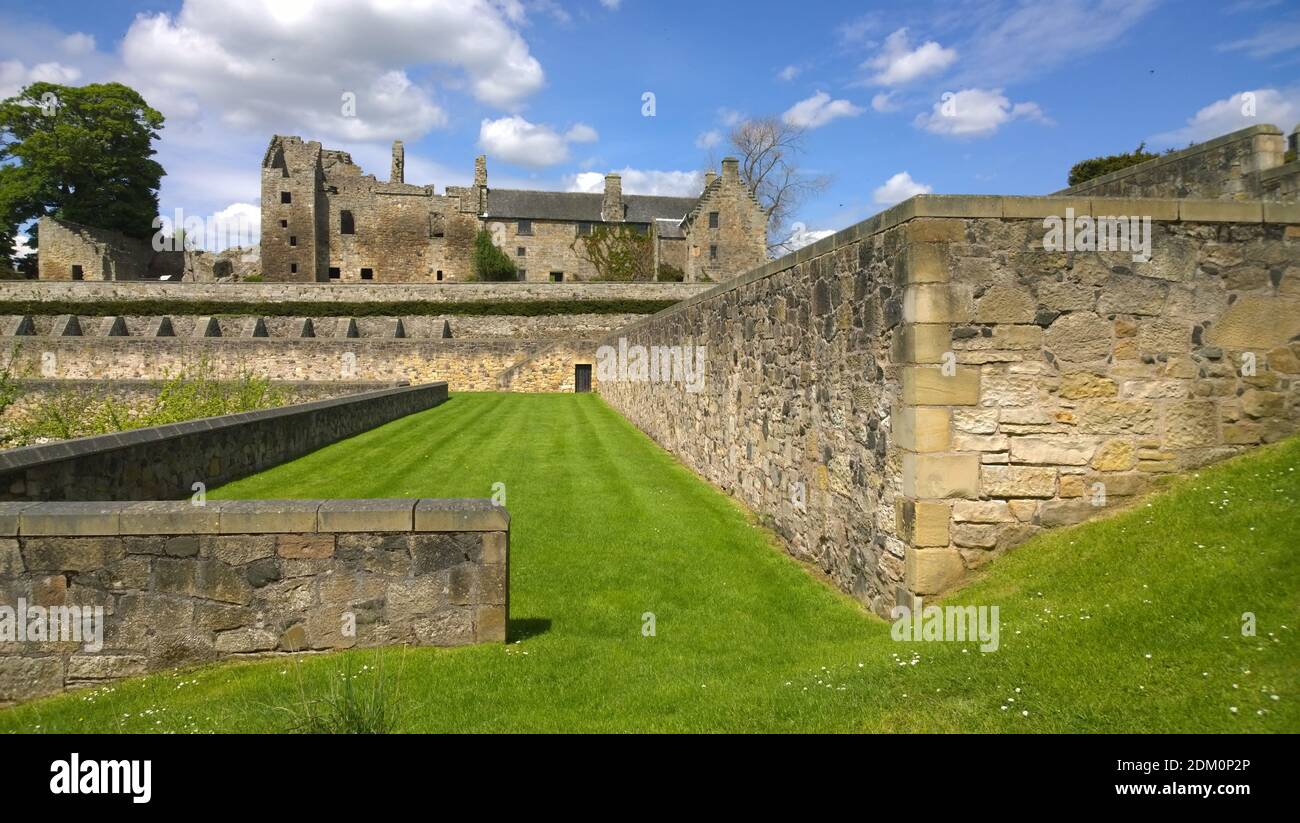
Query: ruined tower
398,172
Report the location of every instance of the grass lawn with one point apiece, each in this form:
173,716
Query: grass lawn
1129,624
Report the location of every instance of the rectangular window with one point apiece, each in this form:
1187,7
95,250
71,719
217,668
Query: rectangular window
367,274
286,197
439,276
524,227
713,252
346,224
521,251
584,229
335,274
293,241
77,273
713,219
557,277
523,274
284,224
293,268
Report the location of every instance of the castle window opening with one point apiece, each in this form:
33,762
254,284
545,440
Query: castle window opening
713,219
523,274
346,223
557,277
525,227
584,229
713,252
440,275
284,224
367,274
293,241
293,268
335,274
77,273
521,251
286,197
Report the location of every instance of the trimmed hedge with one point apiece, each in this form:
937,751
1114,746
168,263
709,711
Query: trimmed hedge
289,308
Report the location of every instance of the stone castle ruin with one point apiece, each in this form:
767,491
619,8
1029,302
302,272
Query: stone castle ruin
323,219
902,401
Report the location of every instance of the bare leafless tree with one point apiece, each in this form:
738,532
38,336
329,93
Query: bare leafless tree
769,150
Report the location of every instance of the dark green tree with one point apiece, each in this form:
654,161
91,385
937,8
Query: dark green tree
1086,170
490,263
83,154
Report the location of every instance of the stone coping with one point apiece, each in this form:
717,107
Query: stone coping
367,292
1173,157
1010,207
162,517
25,457
449,342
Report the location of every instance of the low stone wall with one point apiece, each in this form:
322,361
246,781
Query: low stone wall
141,587
164,462
466,365
338,292
415,327
919,392
1244,165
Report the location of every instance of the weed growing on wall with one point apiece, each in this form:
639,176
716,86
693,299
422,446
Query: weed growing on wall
78,412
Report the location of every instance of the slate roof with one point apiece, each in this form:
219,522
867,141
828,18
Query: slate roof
582,206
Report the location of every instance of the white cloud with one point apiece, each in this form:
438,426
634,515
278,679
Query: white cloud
14,76
708,139
1274,39
239,224
612,5
1033,38
801,235
899,63
789,73
884,102
518,141
581,133
819,110
642,181
21,249
976,113
1280,107
78,43
275,66
730,117
898,188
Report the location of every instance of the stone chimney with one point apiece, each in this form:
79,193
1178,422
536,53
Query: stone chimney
480,170
730,170
611,208
709,177
398,173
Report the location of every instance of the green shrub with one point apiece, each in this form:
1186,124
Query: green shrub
490,263
252,278
1086,170
668,273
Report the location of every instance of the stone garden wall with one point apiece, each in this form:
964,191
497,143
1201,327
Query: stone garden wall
911,396
164,462
344,292
177,584
465,365
1245,165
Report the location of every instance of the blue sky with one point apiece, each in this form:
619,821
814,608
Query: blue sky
552,90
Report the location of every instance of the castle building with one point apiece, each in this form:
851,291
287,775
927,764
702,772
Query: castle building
324,220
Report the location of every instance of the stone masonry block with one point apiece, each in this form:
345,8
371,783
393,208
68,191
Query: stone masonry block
921,428
71,518
928,386
932,571
922,522
464,515
925,263
378,515
941,475
168,517
266,516
937,303
922,343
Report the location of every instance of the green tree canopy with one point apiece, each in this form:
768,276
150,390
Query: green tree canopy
81,154
490,263
1086,170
